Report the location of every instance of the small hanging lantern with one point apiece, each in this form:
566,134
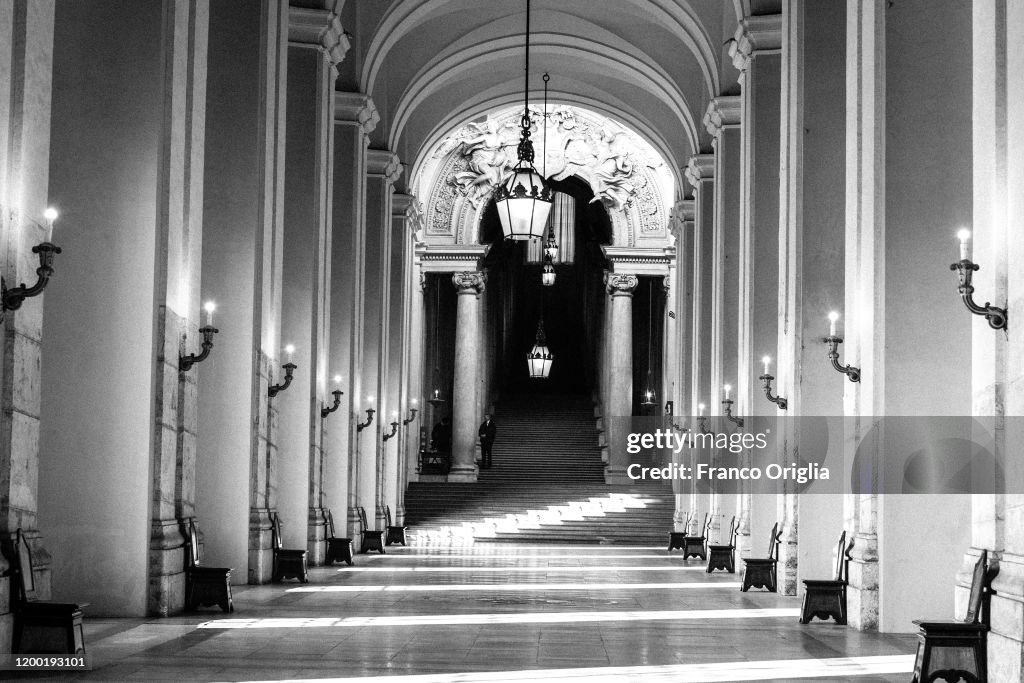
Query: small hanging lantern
551,246
539,358
547,278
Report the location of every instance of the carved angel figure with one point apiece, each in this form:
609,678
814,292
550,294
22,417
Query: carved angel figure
488,157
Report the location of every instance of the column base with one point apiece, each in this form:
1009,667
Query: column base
261,553
316,540
862,591
463,475
166,568
1006,639
616,475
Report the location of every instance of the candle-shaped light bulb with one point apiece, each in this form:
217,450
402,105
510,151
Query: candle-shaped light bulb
700,409
337,379
437,393
209,307
832,318
290,350
50,215
728,388
767,362
394,414
965,243
369,399
415,401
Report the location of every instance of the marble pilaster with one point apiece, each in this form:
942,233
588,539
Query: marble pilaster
468,338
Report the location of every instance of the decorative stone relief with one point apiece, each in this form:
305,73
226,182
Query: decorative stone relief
466,281
619,284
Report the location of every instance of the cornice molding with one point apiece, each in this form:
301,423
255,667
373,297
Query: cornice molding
356,108
700,167
318,28
753,35
639,260
383,163
722,112
449,258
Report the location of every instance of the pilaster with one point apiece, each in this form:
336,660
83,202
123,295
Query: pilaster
468,337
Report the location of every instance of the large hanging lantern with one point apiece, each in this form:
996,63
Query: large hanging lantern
540,357
524,200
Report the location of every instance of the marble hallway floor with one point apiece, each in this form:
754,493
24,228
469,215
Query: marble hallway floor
497,612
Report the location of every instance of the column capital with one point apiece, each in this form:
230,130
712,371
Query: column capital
682,213
699,167
721,112
469,282
383,163
356,108
319,28
408,207
755,34
620,284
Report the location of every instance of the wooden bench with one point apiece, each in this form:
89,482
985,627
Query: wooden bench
760,572
724,556
677,539
41,626
204,586
957,650
372,539
289,563
394,534
338,549
827,598
694,546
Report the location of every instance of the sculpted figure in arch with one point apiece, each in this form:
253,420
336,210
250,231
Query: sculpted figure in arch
489,154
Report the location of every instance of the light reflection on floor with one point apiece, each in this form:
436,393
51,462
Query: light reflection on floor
541,569
837,668
596,586
529,618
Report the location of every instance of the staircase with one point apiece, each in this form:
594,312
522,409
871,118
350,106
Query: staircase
546,486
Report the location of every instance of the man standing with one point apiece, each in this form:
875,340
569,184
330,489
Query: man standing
488,430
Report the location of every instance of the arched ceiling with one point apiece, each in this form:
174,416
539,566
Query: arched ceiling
432,65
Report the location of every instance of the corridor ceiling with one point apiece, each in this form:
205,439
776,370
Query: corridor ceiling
433,65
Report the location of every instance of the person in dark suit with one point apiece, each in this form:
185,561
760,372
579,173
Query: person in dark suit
488,430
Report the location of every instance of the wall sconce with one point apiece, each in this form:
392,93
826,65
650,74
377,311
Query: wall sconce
360,426
702,419
11,299
394,426
325,411
412,413
766,380
996,316
185,363
727,405
833,342
289,371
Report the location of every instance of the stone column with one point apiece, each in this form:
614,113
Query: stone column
316,44
136,266
355,116
243,213
619,359
415,372
382,170
682,226
700,173
756,54
465,420
26,65
722,121
812,254
998,368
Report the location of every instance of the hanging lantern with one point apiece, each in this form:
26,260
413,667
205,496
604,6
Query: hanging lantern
539,358
547,278
524,200
551,247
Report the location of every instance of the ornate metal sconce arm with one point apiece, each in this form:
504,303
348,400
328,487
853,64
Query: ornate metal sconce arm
996,316
833,355
777,400
185,363
738,421
704,424
360,426
394,430
412,416
289,371
13,298
325,411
